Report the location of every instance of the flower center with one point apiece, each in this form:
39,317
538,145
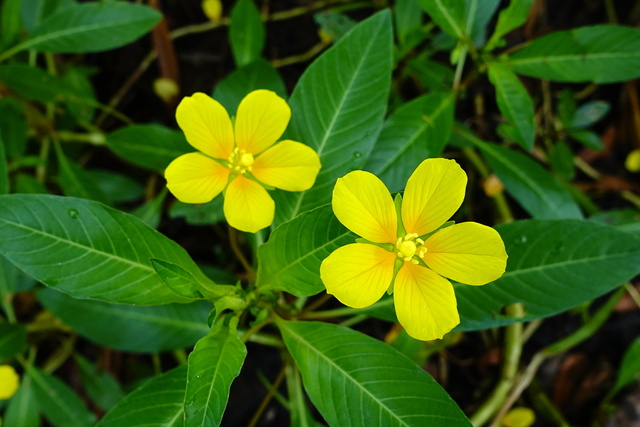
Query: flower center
408,249
240,161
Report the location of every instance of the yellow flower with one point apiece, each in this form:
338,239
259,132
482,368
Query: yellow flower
240,158
408,251
9,381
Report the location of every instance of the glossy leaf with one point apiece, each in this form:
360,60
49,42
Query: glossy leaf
92,27
514,16
290,260
449,15
157,403
553,265
86,249
600,54
630,367
103,389
416,131
258,74
128,327
530,184
13,339
23,408
479,14
589,114
60,405
149,146
623,219
213,365
246,32
338,106
33,12
514,103
355,380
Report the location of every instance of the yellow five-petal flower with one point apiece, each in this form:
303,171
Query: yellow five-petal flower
240,159
411,246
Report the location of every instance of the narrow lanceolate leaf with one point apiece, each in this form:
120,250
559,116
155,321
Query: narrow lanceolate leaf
77,182
157,403
418,130
59,404
355,380
128,327
449,15
13,339
149,146
509,19
514,103
601,54
290,260
338,107
87,250
630,367
213,365
246,32
22,409
103,389
526,181
553,265
4,171
92,27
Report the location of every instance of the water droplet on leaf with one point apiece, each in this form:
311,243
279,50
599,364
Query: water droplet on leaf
73,213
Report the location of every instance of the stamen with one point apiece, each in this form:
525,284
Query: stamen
409,246
240,161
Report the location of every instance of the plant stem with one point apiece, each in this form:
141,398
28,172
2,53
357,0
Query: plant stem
233,240
267,398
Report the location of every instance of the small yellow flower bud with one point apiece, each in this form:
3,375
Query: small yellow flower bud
213,9
519,417
165,88
632,163
324,36
492,186
9,381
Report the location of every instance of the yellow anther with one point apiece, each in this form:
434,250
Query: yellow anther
408,249
240,161
409,246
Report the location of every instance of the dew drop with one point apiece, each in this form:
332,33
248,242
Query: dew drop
521,240
357,155
73,213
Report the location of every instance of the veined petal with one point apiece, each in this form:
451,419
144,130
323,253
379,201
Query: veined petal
194,178
363,204
261,119
288,165
358,274
434,192
425,302
469,253
206,125
247,205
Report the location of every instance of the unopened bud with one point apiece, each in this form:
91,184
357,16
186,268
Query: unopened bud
213,9
632,163
493,186
519,417
166,88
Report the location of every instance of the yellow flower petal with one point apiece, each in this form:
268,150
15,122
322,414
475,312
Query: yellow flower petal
206,125
358,274
247,205
469,253
363,204
194,178
261,119
434,192
9,381
288,165
425,302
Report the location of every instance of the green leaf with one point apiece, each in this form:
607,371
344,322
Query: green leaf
514,103
180,280
10,23
600,54
103,389
13,339
13,129
59,404
355,380
291,258
35,83
92,27
23,409
337,108
514,16
157,403
33,12
246,32
214,363
259,74
561,160
433,75
88,250
27,184
629,368
151,211
587,138
623,219
553,265
116,187
208,213
589,114
127,327
449,15
530,184
334,25
417,130
75,181
149,146
479,14
408,18
4,171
